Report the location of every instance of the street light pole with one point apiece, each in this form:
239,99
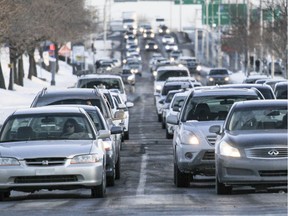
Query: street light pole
207,33
219,36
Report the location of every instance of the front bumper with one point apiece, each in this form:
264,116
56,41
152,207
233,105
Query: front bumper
245,171
30,178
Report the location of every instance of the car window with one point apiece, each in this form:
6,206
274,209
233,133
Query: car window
163,75
215,108
45,127
258,119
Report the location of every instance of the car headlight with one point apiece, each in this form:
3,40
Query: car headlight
89,158
158,88
226,79
152,35
108,68
154,73
167,31
144,35
228,150
155,47
175,48
189,138
160,30
172,59
198,68
131,77
9,162
211,79
167,47
146,46
164,41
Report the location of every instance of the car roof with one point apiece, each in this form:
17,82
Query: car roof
261,103
222,91
172,67
99,76
48,109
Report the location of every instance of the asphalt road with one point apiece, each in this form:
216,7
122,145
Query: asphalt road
146,184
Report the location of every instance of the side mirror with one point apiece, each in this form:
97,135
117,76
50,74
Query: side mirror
122,106
129,104
119,115
172,119
215,129
161,101
116,130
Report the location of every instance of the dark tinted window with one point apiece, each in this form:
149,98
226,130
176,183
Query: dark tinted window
218,72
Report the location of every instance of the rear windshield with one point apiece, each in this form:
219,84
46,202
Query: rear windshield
101,83
163,75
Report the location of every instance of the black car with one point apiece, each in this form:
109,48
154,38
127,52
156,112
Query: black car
280,90
218,76
151,45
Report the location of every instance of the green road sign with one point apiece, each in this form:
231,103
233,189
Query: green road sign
177,2
227,11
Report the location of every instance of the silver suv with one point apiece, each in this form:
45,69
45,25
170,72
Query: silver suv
193,144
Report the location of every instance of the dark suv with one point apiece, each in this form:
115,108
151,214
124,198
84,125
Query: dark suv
84,97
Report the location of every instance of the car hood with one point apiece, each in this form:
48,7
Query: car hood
53,148
258,138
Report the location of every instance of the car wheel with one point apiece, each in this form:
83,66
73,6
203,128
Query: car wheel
126,135
117,168
182,179
163,123
100,190
159,118
111,179
4,195
168,136
221,188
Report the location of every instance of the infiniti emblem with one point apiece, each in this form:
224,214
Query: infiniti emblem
45,162
273,152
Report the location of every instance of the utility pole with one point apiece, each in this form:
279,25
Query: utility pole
261,37
248,37
180,15
105,24
286,39
207,32
219,35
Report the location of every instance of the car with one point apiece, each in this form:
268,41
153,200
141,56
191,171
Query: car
148,34
280,90
163,29
273,82
164,72
279,68
167,87
125,107
265,91
251,148
171,46
128,75
167,39
35,155
144,26
79,96
112,144
135,66
191,63
218,76
102,80
193,144
253,77
173,109
151,45
175,55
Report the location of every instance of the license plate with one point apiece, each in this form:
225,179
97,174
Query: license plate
45,171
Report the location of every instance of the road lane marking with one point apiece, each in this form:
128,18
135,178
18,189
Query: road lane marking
143,176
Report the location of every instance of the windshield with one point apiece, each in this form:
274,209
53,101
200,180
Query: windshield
211,108
258,119
47,127
104,83
218,72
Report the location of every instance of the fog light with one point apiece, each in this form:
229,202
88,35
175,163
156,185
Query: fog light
189,155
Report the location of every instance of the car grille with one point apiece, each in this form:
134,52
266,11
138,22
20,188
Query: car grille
45,179
45,161
267,153
209,155
273,173
211,140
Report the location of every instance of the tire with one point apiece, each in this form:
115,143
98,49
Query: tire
111,179
159,118
221,189
117,168
100,190
4,195
181,179
163,123
126,135
168,136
